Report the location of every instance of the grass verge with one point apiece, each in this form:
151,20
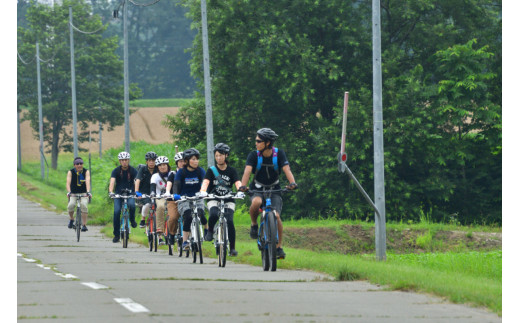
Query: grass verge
158,103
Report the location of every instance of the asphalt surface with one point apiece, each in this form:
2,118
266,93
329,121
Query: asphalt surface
62,280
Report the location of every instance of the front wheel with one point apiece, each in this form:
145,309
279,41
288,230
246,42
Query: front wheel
126,233
78,223
222,241
272,239
263,248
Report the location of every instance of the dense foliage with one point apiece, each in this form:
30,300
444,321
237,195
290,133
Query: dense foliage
286,65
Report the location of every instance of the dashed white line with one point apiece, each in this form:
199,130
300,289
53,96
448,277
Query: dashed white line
67,276
130,305
95,285
29,260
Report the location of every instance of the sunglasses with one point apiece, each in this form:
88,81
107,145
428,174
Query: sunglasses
78,163
259,141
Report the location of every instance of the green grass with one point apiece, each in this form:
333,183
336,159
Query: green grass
159,103
473,278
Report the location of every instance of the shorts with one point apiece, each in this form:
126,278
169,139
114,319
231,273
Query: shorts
276,201
214,203
71,207
185,206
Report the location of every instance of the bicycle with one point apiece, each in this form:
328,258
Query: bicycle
77,223
151,224
221,241
196,234
178,237
268,229
125,224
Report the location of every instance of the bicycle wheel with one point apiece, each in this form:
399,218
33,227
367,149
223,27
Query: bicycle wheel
149,232
223,244
199,240
272,239
154,232
263,247
125,232
78,222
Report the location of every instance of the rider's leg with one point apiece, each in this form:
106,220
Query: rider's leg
84,210
159,214
173,217
228,213
186,226
71,207
116,218
254,210
131,206
213,217
280,229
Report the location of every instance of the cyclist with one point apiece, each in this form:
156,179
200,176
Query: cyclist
122,178
173,212
142,184
78,181
266,163
187,182
219,181
158,187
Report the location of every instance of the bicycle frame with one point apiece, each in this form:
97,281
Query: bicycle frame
125,223
196,234
78,221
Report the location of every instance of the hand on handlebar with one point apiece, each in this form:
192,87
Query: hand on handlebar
292,186
176,197
243,188
203,194
138,194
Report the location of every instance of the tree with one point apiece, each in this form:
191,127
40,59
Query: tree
286,65
98,73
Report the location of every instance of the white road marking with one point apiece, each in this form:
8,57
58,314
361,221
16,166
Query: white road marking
29,260
95,285
67,276
19,255
130,305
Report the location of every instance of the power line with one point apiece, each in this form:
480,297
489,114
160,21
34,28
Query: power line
86,32
20,57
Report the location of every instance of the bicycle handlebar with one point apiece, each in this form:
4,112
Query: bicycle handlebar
118,196
78,195
224,197
282,190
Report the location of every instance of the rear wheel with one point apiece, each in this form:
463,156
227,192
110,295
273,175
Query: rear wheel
273,239
78,222
149,230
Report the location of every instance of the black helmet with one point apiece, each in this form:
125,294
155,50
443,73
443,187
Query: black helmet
150,155
267,134
188,153
222,148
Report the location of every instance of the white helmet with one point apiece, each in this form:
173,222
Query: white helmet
161,160
178,156
123,155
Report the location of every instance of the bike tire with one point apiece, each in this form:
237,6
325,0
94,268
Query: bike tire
263,248
126,234
194,251
224,246
149,233
78,223
273,239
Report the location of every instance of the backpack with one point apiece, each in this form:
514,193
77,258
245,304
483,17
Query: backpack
219,178
260,159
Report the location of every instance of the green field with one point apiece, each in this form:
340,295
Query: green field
463,270
158,103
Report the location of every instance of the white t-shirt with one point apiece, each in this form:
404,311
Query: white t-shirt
160,183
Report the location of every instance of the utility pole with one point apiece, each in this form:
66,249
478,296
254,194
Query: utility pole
207,85
73,86
100,135
379,166
40,117
126,78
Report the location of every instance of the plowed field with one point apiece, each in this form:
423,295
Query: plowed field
145,124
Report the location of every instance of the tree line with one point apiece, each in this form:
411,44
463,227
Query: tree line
286,64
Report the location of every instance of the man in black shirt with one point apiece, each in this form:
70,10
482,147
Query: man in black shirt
265,163
78,181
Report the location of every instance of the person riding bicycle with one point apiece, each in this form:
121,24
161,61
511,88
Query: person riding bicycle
173,212
265,163
187,182
142,184
219,181
158,187
78,181
122,178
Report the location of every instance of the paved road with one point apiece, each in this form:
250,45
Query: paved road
61,280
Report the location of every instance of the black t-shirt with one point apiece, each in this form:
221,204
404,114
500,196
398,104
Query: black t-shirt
228,178
266,175
144,176
124,179
78,181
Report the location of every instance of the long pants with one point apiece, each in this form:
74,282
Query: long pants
186,227
118,205
173,217
228,214
159,214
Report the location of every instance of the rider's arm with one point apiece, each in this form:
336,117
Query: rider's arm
176,187
136,184
69,179
238,184
87,180
287,170
205,185
247,174
111,185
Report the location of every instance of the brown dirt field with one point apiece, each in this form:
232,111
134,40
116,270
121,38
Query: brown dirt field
145,124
